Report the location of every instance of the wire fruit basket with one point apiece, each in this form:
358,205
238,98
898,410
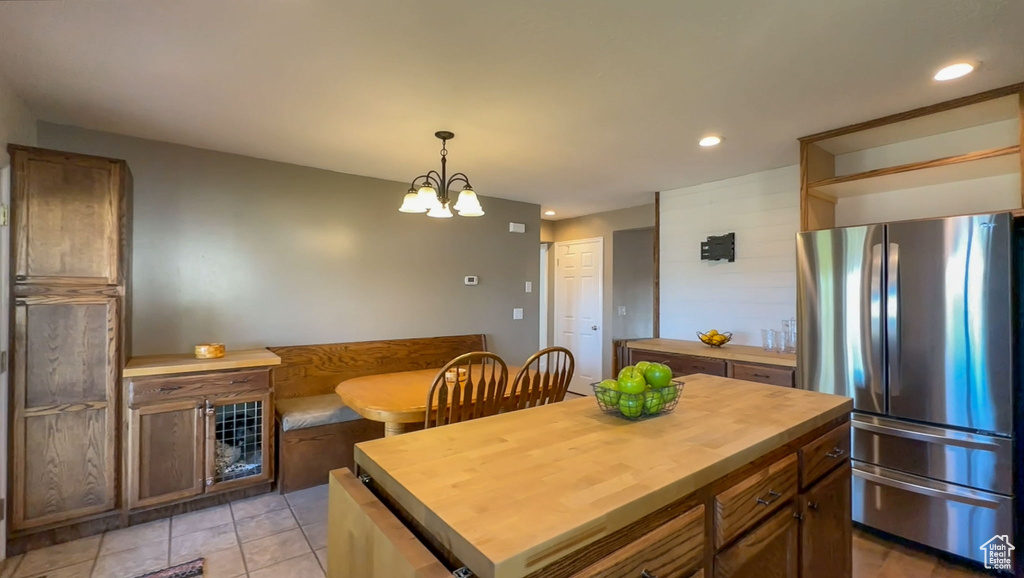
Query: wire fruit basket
714,339
636,406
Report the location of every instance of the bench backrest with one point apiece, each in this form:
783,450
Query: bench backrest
317,369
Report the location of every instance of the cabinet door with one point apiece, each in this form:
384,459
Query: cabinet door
67,218
826,532
239,438
166,452
65,369
767,551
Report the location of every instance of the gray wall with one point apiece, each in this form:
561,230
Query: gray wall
17,125
601,225
633,283
252,253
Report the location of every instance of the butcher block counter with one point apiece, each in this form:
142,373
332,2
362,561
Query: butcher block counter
742,479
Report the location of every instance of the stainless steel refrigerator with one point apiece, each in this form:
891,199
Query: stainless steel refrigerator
916,321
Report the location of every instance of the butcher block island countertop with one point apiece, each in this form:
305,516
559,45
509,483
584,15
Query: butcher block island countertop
728,352
511,495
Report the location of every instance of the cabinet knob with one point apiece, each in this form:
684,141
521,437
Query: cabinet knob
209,481
798,515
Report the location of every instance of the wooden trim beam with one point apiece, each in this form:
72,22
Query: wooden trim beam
916,113
966,158
657,265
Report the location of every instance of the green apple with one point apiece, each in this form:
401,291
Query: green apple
627,369
653,401
658,375
632,381
631,405
642,366
608,392
669,392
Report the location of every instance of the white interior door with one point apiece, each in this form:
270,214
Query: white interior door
578,307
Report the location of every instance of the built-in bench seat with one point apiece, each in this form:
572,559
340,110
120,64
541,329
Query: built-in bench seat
315,430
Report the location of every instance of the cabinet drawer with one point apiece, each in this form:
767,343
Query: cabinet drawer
143,390
368,540
783,376
673,550
753,499
681,364
823,454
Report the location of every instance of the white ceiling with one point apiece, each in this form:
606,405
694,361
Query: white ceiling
579,105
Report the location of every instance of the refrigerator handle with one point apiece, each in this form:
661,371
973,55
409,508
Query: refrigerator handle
875,307
892,313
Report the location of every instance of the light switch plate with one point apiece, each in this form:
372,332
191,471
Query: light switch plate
622,309
516,228
529,286
517,313
472,280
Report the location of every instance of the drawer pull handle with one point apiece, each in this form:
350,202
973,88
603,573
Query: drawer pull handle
246,380
646,574
837,452
798,516
20,277
762,375
769,498
812,505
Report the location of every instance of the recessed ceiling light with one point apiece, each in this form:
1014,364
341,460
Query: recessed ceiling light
549,213
954,71
710,141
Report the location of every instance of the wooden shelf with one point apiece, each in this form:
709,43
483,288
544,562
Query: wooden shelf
970,166
969,111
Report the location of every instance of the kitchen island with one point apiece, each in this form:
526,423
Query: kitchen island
742,479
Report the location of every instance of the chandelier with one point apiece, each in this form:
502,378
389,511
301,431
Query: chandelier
431,195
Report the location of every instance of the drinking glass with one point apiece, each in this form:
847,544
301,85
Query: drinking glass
778,341
768,339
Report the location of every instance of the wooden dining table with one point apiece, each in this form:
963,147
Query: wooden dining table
398,399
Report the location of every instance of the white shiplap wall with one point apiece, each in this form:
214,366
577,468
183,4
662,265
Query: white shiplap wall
759,289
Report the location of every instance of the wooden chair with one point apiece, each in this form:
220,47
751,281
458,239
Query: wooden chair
478,392
544,378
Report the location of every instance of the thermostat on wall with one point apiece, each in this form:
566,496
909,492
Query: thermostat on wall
472,280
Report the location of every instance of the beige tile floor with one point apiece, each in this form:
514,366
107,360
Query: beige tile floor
271,536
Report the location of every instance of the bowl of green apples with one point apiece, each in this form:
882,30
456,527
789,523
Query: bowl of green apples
641,391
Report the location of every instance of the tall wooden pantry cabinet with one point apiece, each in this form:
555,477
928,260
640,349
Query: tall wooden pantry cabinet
70,261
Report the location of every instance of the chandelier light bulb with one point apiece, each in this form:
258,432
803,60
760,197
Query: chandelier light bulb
411,203
440,211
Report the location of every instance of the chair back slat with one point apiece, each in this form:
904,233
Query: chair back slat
468,387
544,378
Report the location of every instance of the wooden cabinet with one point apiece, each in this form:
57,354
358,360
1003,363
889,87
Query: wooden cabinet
680,364
196,434
69,216
770,550
826,531
69,258
823,454
743,505
165,447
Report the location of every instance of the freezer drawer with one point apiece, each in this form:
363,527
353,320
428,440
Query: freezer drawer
944,516
979,461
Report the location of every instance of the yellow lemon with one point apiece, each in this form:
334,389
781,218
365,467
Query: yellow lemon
713,332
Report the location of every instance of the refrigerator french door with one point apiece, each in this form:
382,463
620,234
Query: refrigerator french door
914,321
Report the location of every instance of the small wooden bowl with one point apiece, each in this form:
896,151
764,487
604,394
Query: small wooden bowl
209,350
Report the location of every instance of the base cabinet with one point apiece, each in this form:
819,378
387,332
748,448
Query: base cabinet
770,550
183,444
166,452
826,533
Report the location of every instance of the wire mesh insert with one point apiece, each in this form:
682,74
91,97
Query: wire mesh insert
239,440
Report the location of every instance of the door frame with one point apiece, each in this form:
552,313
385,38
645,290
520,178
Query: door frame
559,298
5,347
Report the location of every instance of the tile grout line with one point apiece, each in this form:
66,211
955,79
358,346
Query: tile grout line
238,539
